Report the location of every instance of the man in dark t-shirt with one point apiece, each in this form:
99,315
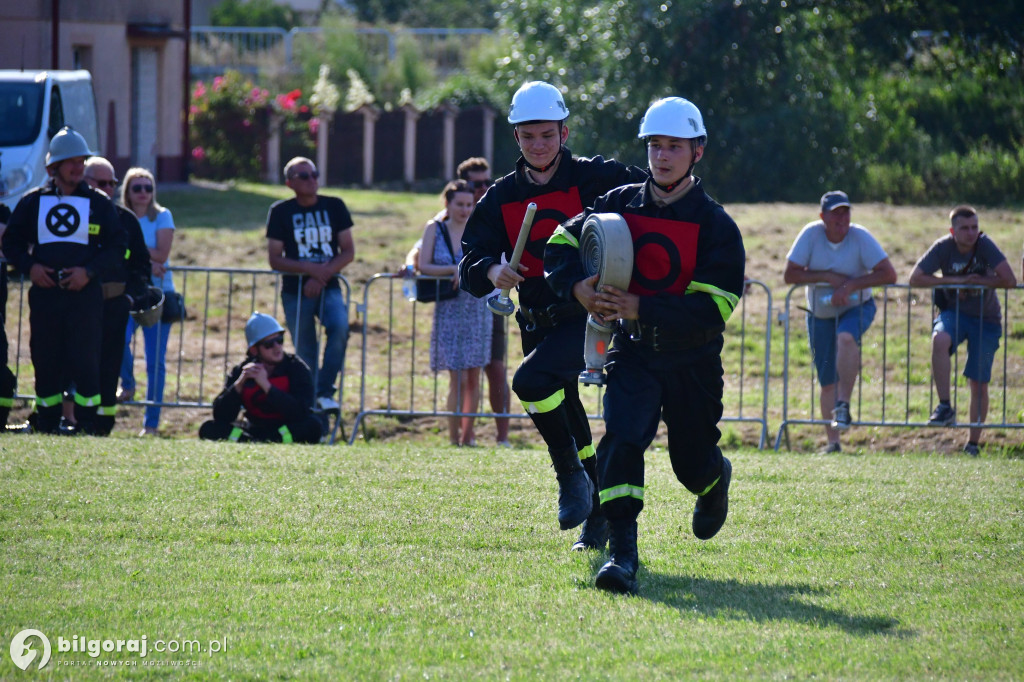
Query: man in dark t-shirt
309,237
964,257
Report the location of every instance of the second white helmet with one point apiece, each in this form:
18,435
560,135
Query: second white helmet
675,117
537,101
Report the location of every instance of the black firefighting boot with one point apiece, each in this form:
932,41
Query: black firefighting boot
575,490
713,506
619,574
594,534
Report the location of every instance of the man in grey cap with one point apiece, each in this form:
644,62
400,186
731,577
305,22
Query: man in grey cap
839,261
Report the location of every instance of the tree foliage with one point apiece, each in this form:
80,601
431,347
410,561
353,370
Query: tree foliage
798,96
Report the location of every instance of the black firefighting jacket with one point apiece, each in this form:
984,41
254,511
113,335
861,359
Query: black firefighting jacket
61,237
688,261
495,222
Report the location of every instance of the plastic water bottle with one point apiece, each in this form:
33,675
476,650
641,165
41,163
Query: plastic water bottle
409,283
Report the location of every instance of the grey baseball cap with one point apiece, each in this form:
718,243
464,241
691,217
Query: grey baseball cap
833,199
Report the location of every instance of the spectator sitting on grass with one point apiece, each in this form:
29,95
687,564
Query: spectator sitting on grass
274,387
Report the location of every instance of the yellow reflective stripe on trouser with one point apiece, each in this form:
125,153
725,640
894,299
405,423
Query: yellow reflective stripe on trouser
49,400
725,301
587,451
708,489
87,400
624,490
286,435
107,410
546,405
235,434
6,402
562,236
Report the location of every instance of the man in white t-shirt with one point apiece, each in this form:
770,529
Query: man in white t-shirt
839,262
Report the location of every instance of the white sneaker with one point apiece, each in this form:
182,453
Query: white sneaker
327,404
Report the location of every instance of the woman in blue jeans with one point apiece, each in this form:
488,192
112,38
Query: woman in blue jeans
138,194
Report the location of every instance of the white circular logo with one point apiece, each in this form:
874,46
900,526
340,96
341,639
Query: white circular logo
23,654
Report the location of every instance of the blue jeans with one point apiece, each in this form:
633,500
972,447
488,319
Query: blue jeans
155,338
299,314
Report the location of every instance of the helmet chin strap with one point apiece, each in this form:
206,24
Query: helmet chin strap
541,169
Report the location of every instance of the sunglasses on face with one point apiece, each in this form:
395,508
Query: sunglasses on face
142,188
105,183
303,175
480,184
270,343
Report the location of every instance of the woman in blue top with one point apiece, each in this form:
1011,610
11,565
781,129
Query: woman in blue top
138,194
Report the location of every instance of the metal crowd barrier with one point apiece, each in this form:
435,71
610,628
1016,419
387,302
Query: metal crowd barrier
397,333
391,340
894,387
200,351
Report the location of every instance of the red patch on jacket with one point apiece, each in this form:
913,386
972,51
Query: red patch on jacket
255,400
553,209
664,254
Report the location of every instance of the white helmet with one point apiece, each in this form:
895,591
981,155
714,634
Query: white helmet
67,144
537,101
259,327
675,117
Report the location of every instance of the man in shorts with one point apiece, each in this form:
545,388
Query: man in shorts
964,256
839,261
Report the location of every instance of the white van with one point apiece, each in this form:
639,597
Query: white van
34,105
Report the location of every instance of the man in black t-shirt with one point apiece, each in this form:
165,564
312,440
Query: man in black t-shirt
310,236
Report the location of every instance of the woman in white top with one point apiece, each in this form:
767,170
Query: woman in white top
138,194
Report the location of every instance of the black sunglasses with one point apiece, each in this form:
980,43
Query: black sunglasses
142,188
106,183
270,343
303,175
480,184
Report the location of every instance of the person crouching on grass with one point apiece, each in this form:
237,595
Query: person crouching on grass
666,359
274,387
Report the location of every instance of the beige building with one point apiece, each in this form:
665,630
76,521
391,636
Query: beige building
136,52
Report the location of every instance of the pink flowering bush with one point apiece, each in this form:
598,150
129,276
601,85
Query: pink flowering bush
229,127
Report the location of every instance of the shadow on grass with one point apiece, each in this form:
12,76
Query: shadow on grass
756,602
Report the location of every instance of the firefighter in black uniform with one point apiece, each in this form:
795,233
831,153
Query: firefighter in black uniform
8,382
552,330
65,236
125,287
666,354
274,387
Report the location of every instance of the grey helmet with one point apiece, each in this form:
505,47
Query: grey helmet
67,144
259,327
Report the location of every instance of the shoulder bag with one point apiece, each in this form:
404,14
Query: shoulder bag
431,290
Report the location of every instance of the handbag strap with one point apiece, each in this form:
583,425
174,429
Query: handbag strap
447,239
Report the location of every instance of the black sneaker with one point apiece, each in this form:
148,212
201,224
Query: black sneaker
712,508
943,415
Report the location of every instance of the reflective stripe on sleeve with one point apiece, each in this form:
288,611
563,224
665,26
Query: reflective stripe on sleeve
562,236
725,301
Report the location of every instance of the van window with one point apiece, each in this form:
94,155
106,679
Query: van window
21,113
56,113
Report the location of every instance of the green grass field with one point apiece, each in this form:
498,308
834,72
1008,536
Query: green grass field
402,561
